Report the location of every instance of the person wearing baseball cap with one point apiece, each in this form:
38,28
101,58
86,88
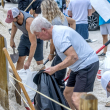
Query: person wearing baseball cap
12,13
29,45
105,82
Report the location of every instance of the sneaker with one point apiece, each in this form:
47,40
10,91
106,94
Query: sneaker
102,54
107,104
89,40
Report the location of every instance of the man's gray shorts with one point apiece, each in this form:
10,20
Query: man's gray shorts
105,29
83,80
24,48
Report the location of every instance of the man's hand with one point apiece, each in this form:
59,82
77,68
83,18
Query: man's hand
12,43
50,70
69,71
50,57
26,65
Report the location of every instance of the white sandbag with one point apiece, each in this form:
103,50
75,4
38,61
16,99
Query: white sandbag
102,7
107,61
27,78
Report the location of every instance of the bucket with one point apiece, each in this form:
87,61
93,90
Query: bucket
99,74
100,71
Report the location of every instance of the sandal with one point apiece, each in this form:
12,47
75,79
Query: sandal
107,104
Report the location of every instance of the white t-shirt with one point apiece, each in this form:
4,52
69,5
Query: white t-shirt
79,10
65,37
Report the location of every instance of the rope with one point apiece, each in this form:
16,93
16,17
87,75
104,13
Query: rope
42,94
20,95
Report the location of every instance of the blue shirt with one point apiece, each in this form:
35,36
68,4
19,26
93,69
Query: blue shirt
101,21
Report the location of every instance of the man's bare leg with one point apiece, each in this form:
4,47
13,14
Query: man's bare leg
105,39
76,99
20,63
68,96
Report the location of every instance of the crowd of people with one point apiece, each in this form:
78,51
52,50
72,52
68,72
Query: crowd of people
65,24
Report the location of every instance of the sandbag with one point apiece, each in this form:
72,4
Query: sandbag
107,61
27,78
47,85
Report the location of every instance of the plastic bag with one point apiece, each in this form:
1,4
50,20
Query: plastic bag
47,85
107,62
27,78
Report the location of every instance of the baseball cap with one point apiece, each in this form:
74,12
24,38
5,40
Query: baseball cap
11,14
105,80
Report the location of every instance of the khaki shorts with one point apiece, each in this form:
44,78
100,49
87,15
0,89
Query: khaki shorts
105,29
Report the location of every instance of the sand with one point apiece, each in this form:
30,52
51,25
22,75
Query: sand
98,90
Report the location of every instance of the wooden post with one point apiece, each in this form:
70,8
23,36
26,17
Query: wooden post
18,78
3,77
88,102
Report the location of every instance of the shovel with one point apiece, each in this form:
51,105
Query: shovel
14,56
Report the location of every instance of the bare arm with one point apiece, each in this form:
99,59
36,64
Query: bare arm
71,58
89,12
52,50
13,32
93,10
69,13
32,39
71,22
52,47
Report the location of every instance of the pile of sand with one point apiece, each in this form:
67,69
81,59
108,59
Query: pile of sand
34,67
98,90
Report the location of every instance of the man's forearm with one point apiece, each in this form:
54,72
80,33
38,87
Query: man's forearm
32,52
13,31
69,60
73,26
52,47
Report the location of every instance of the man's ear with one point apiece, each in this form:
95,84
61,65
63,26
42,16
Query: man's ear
43,29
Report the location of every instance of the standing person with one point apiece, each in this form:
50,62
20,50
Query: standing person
105,31
36,8
51,12
28,45
65,11
61,4
23,4
75,54
80,10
